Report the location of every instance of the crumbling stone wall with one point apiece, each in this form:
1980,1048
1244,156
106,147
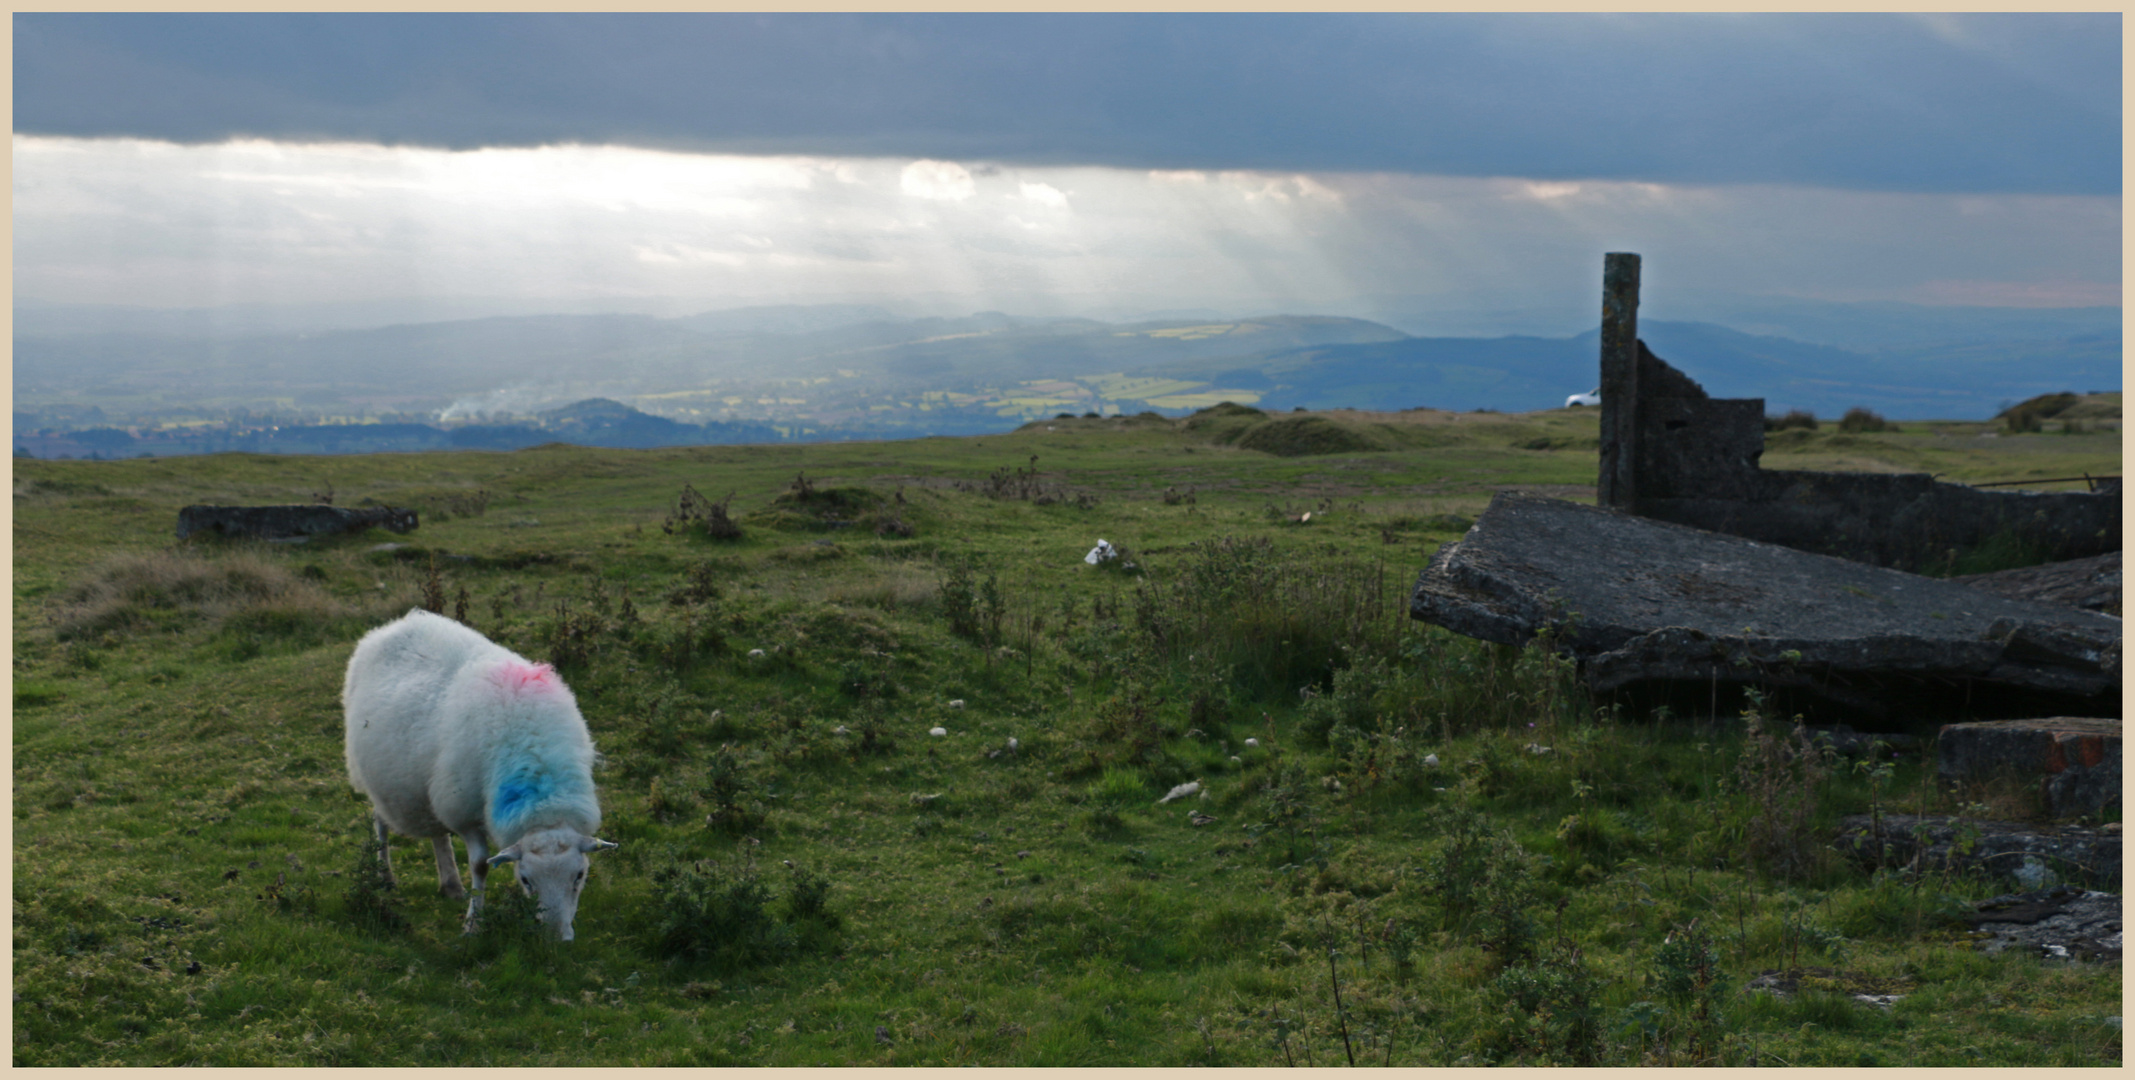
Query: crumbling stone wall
1672,452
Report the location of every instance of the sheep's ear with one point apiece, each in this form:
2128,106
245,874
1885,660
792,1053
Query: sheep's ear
510,854
594,843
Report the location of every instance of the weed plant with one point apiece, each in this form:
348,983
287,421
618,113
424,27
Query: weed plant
722,918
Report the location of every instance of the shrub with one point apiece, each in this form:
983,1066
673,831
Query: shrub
1349,704
1286,810
735,798
1858,419
809,897
572,637
672,726
1123,730
695,513
2028,416
1508,890
1783,775
1686,971
371,900
709,914
1795,418
698,634
959,601
1552,1009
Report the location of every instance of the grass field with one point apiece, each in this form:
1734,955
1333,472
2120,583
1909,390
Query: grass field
1388,873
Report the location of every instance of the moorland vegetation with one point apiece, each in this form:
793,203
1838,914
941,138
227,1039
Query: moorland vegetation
1406,847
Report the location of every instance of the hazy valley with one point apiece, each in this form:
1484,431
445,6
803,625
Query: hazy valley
125,382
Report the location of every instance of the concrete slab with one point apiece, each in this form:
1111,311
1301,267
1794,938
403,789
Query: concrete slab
2092,583
1636,599
2074,759
2023,854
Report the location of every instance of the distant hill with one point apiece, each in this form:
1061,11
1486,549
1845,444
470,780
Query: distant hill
856,371
1518,374
594,422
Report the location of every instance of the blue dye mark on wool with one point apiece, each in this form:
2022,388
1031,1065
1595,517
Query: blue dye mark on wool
516,797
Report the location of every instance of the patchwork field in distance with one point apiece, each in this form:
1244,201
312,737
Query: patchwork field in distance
1403,847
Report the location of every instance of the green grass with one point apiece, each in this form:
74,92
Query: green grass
180,797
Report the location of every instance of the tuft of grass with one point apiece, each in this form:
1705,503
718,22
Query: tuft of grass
240,593
1272,622
31,694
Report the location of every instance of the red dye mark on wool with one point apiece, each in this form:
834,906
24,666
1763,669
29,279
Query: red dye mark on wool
518,677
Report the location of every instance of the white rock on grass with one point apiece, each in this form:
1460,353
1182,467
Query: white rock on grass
1252,742
1013,745
1430,761
956,703
1183,790
754,653
938,732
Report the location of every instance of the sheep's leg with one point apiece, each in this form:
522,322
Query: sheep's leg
478,871
385,848
448,871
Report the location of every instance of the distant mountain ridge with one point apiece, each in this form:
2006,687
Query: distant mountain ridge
593,422
858,371
1519,374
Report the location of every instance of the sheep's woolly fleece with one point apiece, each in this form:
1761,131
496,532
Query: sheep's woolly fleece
428,686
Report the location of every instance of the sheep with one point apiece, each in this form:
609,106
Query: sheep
450,733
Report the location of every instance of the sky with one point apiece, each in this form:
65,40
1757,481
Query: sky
1072,164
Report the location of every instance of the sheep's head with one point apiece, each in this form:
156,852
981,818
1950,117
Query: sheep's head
552,868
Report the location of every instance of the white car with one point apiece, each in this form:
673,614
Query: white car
1591,397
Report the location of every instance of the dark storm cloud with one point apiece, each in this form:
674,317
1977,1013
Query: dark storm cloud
1999,104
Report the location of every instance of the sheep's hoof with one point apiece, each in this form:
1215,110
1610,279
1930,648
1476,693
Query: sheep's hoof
453,892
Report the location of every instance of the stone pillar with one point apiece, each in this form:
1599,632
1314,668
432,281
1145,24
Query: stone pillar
1619,380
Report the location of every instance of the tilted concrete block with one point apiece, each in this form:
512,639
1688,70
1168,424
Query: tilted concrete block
2074,759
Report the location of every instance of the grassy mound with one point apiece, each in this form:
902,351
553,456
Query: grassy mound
1300,436
804,507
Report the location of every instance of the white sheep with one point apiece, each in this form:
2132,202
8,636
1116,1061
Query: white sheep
450,733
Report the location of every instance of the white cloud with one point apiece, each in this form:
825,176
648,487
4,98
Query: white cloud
944,180
1045,195
115,221
675,254
1545,190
